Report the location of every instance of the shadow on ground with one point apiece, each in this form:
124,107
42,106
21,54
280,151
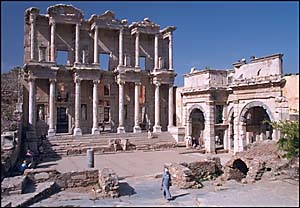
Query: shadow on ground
125,189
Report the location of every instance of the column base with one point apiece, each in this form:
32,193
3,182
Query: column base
51,132
121,129
137,129
95,131
77,132
170,128
156,128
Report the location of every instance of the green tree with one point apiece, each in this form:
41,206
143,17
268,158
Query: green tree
289,142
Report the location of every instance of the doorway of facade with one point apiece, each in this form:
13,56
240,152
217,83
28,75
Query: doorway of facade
197,119
62,120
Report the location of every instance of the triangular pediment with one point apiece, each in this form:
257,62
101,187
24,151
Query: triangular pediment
64,10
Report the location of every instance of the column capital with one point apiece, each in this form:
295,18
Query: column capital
52,80
96,81
121,82
138,83
156,83
121,29
77,79
31,78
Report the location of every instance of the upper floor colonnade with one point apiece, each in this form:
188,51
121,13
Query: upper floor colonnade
66,15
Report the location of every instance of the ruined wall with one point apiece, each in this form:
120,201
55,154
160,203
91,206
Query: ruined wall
291,93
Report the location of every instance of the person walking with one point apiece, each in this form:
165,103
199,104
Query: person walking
165,184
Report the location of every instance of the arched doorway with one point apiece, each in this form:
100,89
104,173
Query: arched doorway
197,125
256,127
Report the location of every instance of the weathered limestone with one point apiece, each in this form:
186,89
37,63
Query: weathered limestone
137,51
82,41
52,43
121,47
171,51
209,130
121,128
96,45
32,101
156,52
157,127
77,42
171,106
77,130
109,183
136,128
51,130
95,129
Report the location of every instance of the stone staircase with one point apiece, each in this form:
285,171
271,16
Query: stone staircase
66,145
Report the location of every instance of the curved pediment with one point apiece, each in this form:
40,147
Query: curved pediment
65,11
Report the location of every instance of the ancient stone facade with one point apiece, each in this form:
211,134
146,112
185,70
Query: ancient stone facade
115,74
227,108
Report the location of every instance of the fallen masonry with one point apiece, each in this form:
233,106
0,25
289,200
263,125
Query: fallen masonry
37,184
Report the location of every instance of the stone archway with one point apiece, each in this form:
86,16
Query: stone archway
252,120
197,125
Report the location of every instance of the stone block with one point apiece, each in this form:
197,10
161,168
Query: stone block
109,183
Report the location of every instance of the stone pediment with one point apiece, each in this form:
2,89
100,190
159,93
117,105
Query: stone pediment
64,10
31,11
146,26
107,19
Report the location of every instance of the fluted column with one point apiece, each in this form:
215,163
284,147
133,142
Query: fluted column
121,128
77,39
157,127
137,51
156,51
51,130
121,47
171,52
32,38
77,130
171,106
95,129
136,128
96,45
32,110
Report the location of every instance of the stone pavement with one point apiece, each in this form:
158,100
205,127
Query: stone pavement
145,191
130,164
139,187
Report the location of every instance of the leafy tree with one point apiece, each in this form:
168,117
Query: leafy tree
289,143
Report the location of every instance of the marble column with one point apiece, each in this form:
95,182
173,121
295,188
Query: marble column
157,127
52,42
209,129
156,51
171,51
96,45
51,130
171,106
121,47
32,110
121,128
95,129
137,55
77,130
32,38
77,39
136,128
242,136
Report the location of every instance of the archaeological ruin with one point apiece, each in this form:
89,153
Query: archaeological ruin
101,74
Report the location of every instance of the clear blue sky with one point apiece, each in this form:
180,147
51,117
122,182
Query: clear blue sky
214,34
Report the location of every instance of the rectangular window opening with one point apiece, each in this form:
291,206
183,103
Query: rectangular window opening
104,61
62,57
142,60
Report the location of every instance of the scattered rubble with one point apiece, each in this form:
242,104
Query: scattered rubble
109,183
